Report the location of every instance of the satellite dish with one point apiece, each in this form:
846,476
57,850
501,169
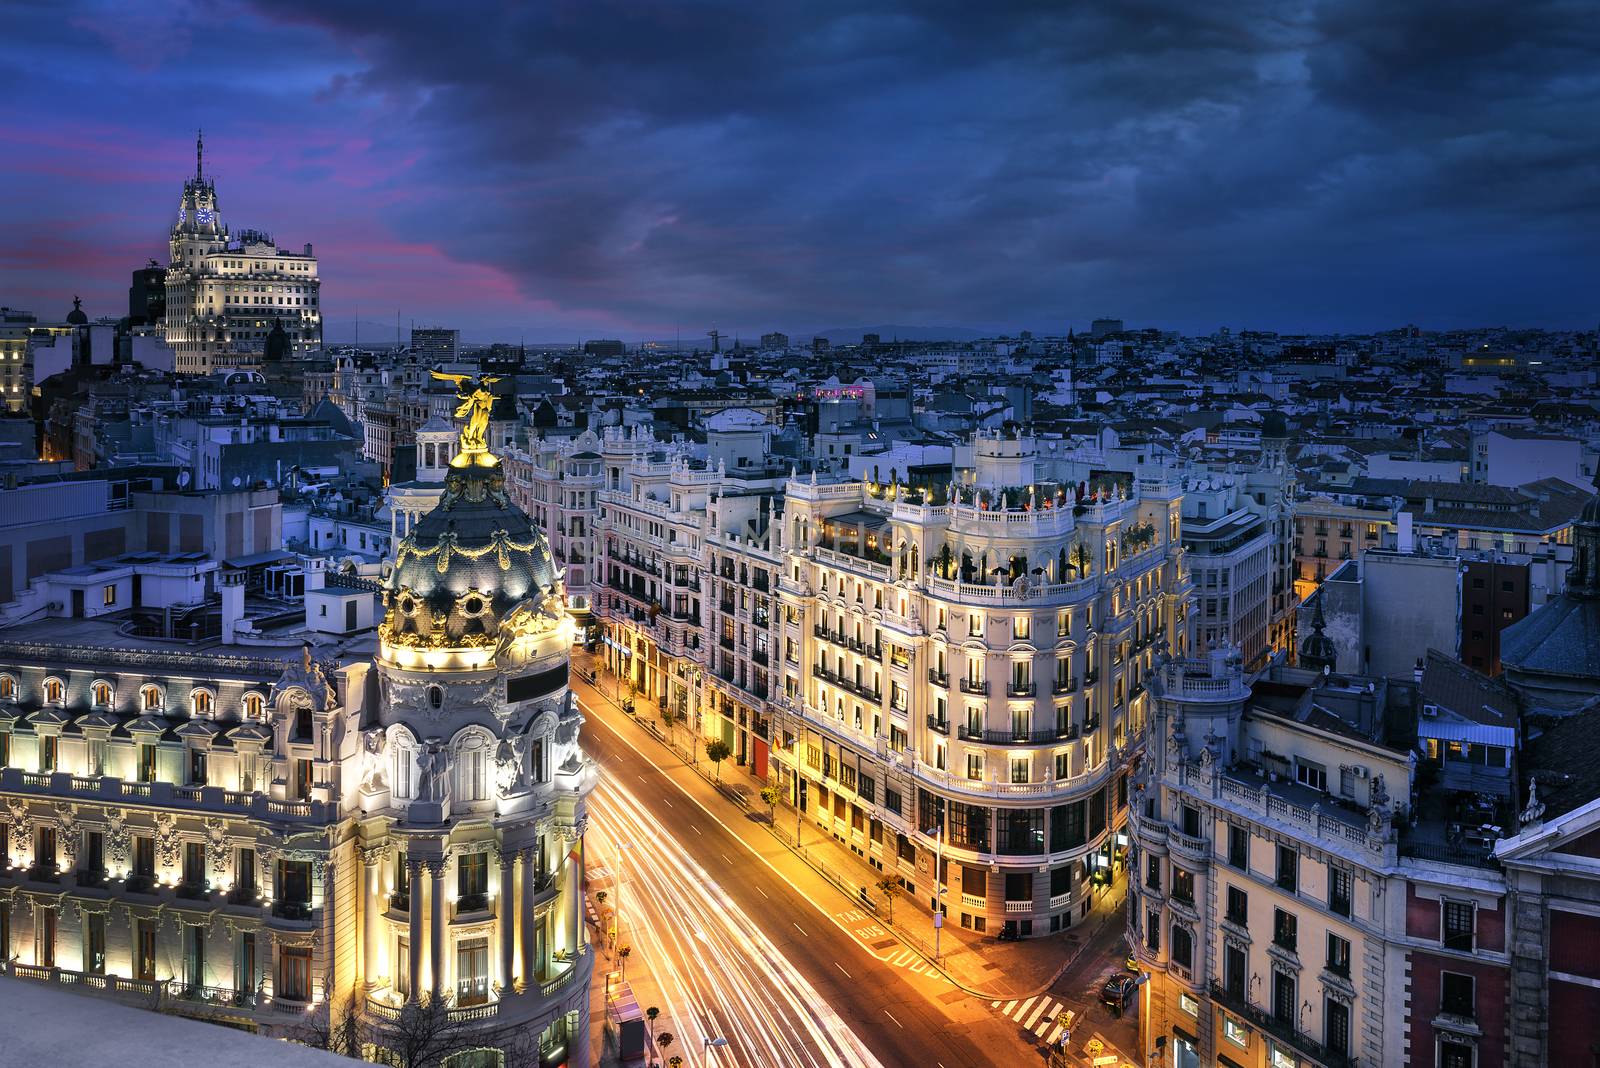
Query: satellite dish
183,480
236,481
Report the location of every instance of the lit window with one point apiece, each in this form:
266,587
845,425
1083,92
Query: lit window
102,694
53,691
150,699
110,594
201,702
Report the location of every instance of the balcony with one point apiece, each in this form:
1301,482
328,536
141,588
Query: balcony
1014,737
1019,906
938,678
298,911
1282,1030
940,725
979,687
1023,689
1064,686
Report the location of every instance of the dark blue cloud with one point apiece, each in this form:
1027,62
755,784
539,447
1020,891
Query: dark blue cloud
1338,165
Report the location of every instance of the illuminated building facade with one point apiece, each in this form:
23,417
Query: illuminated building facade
285,847
225,292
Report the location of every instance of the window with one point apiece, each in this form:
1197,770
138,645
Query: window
1238,907
1182,946
1339,891
1188,1004
1239,847
1063,622
150,699
975,766
975,625
197,766
1021,769
294,882
1152,931
294,975
1455,1054
1235,1032
1283,1003
252,705
1312,775
1288,868
1023,628
1338,955
1191,821
54,691
101,693
1183,885
472,971
1285,927
147,762
94,943
1234,970
144,856
1458,925
1336,1025
1152,873
194,865
1456,995
49,747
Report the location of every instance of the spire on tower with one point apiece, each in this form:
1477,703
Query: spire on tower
199,153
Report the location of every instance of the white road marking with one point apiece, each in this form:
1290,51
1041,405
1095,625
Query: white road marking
897,1023
847,975
797,927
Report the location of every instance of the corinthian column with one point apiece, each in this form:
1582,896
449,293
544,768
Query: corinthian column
436,925
414,866
530,962
508,917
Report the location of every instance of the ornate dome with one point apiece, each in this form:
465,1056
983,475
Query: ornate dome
467,565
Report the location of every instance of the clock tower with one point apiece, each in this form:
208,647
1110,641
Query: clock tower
227,293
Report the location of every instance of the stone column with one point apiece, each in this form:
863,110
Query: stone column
414,867
525,916
508,918
436,924
371,906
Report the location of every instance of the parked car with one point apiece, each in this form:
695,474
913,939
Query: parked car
1117,990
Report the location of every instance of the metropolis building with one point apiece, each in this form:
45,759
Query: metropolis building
226,292
307,848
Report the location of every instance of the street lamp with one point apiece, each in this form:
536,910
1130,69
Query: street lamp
938,886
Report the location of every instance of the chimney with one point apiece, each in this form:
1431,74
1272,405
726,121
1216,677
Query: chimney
232,584
1406,542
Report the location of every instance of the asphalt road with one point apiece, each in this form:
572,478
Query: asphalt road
895,1017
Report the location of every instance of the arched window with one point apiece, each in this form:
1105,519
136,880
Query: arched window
201,702
253,705
472,768
54,691
151,699
101,692
404,761
435,697
8,688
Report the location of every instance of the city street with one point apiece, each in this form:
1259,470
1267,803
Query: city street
749,944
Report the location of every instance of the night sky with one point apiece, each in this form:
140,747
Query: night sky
632,169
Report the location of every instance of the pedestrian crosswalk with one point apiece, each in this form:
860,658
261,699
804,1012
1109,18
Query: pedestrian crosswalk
1040,1014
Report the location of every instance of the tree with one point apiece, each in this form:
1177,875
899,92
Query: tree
650,1015
422,1035
664,1039
717,751
770,795
890,889
340,1031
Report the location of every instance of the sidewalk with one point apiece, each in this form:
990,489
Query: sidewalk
979,964
613,980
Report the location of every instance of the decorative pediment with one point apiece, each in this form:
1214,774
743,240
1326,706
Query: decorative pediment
49,716
198,730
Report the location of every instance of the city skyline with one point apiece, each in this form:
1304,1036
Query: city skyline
574,174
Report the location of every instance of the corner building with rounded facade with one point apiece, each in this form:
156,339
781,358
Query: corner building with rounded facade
294,847
964,674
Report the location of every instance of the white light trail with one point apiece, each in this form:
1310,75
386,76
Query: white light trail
719,973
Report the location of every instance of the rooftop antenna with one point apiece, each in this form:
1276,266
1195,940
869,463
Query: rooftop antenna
716,339
199,154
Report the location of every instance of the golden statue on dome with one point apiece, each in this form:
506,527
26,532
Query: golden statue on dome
476,402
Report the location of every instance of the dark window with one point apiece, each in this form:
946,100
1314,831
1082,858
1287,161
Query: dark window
1239,847
1288,868
1453,1054
1152,931
1021,831
975,881
1339,891
1233,971
1061,880
1067,827
1097,813
1019,886
294,882
1182,946
969,826
194,865
1338,955
891,800
472,882
1458,925
1283,1005
1238,907
1456,995
144,857
1336,1024
144,957
1285,928
1191,821
246,881
1152,876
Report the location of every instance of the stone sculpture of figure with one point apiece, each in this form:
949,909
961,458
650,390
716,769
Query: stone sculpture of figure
432,764
508,764
373,743
476,403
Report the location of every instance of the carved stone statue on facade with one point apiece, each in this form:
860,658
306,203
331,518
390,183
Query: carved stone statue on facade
373,743
1534,812
433,764
510,762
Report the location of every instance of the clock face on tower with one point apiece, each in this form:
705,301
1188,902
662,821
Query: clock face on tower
202,215
183,213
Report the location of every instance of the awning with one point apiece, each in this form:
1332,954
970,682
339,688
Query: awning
1475,733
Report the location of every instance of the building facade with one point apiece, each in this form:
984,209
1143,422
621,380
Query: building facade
295,846
225,292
